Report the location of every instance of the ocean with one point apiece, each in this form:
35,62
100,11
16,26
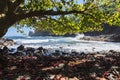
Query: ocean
64,43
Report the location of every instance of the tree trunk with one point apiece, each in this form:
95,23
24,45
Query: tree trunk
2,31
7,22
3,27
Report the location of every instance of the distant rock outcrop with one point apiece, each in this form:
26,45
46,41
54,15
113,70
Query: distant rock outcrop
45,33
39,33
107,30
109,33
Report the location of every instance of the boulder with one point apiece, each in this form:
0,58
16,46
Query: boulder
115,38
6,42
20,48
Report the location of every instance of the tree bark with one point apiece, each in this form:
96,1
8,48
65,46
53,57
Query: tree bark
3,27
3,31
7,22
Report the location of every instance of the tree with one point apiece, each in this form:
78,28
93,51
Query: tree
59,16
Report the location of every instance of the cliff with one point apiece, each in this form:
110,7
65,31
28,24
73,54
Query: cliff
45,33
109,33
107,30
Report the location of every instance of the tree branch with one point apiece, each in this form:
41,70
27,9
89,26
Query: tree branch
51,13
3,6
14,6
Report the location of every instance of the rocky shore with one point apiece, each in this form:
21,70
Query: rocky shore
109,33
6,42
107,38
37,64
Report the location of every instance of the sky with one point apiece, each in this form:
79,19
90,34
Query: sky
13,31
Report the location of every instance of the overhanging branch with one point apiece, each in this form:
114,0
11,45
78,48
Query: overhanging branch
3,6
51,13
15,5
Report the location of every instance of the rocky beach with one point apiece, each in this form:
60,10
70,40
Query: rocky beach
27,63
59,39
105,38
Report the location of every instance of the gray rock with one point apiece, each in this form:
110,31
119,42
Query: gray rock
6,42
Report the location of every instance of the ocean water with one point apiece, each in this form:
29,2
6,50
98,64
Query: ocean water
65,43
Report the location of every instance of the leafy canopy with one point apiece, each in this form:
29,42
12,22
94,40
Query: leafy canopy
88,16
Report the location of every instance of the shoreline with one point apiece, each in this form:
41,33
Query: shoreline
104,38
92,66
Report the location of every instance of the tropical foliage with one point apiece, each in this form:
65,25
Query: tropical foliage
59,16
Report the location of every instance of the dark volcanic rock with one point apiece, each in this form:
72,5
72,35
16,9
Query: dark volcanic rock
46,33
5,49
115,38
20,48
107,30
109,33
